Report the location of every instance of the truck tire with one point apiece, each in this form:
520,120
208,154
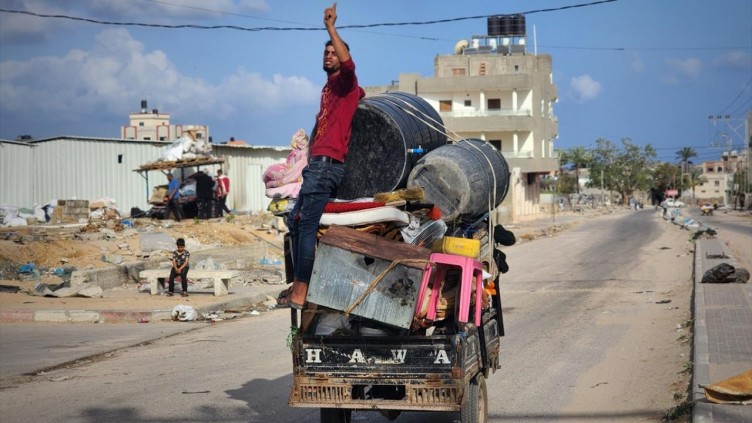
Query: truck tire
475,407
336,415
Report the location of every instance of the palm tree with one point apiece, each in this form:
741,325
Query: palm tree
696,179
684,155
580,158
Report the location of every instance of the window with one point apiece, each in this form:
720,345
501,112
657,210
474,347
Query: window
717,183
720,169
482,69
163,138
140,124
445,105
710,169
120,159
468,103
494,104
458,71
147,138
516,68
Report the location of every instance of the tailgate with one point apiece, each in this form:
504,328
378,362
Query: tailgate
393,373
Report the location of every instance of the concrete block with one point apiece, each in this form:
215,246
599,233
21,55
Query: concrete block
221,286
83,316
130,316
106,278
16,315
57,316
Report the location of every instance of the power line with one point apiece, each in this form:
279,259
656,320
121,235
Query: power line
646,48
272,28
737,97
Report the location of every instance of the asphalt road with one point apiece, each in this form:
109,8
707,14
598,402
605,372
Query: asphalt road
585,341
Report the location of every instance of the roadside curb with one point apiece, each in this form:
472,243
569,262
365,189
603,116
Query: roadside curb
701,361
119,316
712,309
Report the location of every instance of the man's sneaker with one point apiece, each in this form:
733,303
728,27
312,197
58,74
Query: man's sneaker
184,294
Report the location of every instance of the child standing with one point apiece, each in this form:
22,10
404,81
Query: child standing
179,267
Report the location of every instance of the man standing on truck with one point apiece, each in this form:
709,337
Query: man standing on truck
325,169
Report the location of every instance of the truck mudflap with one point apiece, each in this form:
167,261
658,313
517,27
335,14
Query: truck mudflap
384,373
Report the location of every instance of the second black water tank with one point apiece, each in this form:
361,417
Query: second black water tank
463,179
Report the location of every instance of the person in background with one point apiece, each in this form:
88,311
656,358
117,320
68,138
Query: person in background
223,189
173,198
180,259
326,168
204,193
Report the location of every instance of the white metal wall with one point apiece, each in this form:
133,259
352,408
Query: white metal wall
94,168
91,169
15,174
245,167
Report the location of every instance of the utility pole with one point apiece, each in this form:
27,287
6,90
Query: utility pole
731,128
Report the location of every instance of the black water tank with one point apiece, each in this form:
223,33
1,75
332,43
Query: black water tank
505,25
518,25
462,179
384,128
494,26
143,105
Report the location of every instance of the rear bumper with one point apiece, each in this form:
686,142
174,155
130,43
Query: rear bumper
426,395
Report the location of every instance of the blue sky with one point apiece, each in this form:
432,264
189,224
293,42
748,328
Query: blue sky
649,70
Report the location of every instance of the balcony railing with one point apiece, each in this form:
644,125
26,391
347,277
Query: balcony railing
487,113
518,154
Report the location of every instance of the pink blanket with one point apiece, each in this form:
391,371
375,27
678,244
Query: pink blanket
285,178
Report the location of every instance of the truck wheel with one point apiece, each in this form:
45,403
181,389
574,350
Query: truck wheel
475,407
336,415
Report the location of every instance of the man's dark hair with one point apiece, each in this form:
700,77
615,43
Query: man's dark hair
330,43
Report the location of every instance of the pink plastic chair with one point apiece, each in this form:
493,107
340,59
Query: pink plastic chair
471,269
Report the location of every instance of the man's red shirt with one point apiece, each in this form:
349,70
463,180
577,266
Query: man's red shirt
339,99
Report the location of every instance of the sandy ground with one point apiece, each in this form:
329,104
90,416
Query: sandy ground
244,240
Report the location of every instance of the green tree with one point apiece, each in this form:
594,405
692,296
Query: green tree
578,157
683,156
566,184
665,176
624,168
694,178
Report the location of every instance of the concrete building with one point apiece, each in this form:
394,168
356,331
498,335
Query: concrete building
719,182
152,125
494,90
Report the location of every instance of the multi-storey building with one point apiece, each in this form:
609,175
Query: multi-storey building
494,90
155,126
720,183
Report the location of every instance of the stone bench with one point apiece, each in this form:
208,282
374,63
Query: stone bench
221,279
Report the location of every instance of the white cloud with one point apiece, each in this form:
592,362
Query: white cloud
174,8
118,72
15,27
734,60
679,70
584,88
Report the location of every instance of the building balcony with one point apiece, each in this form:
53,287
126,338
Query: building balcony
487,113
461,121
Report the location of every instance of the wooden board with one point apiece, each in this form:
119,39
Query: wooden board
370,245
164,165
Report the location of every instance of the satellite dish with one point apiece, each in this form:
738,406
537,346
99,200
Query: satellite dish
460,46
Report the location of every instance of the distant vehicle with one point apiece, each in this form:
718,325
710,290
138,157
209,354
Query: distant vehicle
673,203
707,209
